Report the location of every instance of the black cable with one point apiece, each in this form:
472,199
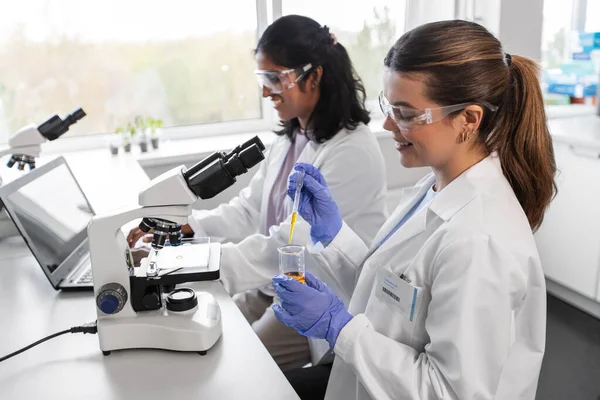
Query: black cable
87,328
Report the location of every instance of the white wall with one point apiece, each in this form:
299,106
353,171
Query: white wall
484,12
517,23
520,28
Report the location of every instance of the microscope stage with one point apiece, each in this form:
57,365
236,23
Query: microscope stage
186,263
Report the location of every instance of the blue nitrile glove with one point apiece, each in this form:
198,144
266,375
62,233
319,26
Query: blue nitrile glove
316,206
312,309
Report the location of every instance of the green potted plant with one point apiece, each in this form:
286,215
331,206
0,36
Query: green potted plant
128,137
141,126
155,126
115,140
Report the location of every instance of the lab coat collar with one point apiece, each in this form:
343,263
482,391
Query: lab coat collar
465,187
415,225
445,204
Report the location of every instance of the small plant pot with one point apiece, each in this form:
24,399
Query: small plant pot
144,147
127,147
114,150
154,142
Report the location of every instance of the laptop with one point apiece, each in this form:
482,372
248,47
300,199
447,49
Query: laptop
52,213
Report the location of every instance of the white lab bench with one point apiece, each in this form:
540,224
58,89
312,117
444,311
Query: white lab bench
569,238
73,367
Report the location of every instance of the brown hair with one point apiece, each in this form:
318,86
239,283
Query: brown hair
462,62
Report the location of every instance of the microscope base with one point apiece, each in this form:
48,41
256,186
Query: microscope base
195,330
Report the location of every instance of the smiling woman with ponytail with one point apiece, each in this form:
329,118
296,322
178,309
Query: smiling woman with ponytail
462,62
448,302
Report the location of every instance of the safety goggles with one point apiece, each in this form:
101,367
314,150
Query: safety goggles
278,81
408,118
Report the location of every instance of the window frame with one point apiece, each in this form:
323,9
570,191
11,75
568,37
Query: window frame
269,10
268,120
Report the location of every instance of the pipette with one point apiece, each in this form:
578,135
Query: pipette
299,184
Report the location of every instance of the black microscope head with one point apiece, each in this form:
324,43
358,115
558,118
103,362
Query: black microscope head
55,127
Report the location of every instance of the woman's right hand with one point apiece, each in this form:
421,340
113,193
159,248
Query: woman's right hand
316,206
136,234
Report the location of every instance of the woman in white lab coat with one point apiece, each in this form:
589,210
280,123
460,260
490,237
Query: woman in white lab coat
449,299
310,79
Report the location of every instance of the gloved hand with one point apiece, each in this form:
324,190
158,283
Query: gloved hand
316,206
312,309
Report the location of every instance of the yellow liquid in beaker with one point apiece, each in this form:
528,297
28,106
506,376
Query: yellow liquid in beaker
299,276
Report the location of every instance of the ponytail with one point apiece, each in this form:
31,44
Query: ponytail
523,142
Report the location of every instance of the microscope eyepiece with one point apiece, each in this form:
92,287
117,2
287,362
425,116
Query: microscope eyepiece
240,163
218,171
55,127
251,156
255,141
76,115
193,170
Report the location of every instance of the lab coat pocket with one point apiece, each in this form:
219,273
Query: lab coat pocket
394,305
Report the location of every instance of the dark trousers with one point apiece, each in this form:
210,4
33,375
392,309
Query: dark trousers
310,383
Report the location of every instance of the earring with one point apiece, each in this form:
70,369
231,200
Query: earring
466,135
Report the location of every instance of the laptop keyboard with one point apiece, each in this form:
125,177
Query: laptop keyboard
86,278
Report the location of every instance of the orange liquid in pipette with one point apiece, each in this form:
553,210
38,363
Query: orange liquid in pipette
292,226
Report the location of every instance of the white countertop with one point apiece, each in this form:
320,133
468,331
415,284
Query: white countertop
73,367
582,131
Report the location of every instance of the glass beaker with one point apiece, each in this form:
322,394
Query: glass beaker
291,262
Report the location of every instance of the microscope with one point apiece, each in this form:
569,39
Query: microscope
25,144
141,309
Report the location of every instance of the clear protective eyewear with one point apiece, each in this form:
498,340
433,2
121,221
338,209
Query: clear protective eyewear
409,118
278,81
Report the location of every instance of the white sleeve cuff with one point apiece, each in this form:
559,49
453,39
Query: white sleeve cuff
348,337
314,248
345,242
195,225
350,245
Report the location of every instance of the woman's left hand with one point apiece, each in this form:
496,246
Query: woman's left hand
312,309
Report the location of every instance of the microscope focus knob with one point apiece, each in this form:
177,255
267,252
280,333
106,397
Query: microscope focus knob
151,301
112,298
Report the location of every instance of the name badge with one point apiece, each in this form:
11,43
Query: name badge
397,292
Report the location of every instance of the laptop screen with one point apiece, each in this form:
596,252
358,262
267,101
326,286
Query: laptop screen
52,214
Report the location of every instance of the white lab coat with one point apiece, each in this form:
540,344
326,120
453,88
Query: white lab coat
478,330
353,167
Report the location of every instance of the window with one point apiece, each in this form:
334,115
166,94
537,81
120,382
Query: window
569,75
186,62
367,29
